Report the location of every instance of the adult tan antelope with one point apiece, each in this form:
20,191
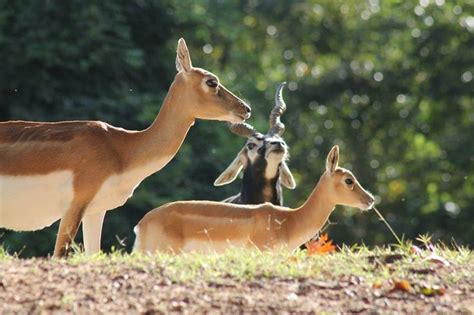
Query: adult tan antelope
77,170
214,226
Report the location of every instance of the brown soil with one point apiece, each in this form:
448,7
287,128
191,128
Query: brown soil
46,286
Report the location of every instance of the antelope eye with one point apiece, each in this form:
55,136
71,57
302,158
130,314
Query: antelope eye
250,146
349,181
212,83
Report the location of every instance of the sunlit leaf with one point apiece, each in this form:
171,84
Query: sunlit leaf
402,285
322,245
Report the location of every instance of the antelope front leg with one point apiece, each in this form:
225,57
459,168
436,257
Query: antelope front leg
68,229
92,231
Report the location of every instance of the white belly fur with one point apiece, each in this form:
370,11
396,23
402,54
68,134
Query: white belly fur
113,193
29,203
116,189
33,202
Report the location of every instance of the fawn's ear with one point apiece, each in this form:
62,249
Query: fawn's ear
231,172
286,178
333,159
183,59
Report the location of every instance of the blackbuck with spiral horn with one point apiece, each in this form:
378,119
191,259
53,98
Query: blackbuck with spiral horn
77,170
210,226
263,161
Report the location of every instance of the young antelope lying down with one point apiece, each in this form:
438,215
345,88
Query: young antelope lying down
207,226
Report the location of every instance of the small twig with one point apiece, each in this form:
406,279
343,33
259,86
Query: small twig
121,241
388,225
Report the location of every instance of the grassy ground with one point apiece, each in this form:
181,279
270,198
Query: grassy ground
358,280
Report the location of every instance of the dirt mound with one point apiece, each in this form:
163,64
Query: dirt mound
48,286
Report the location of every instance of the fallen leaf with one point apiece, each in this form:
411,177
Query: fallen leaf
433,290
402,285
427,291
322,245
377,285
437,259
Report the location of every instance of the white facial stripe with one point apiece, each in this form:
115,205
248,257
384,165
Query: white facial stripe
273,138
255,141
252,153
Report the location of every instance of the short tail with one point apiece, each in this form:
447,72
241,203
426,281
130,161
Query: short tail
136,245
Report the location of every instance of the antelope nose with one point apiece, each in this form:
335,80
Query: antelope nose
371,200
247,109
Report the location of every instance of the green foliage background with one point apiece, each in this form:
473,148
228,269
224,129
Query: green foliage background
389,81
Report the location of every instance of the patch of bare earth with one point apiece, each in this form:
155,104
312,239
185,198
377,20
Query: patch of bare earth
46,286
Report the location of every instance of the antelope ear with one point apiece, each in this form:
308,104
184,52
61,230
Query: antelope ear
183,59
333,159
286,178
231,172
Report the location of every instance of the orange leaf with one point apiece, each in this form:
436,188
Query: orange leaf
322,245
403,285
377,285
324,238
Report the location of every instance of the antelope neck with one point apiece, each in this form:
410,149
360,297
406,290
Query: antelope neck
307,220
159,143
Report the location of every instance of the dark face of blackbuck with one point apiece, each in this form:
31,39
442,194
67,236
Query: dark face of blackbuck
271,148
267,150
263,156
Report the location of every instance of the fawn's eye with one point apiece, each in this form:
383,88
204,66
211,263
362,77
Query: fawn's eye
349,181
212,83
250,146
